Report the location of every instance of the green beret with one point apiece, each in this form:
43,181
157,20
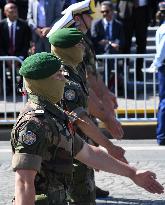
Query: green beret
39,66
65,37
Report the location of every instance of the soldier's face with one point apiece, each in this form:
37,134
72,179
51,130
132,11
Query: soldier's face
79,52
80,45
88,20
84,22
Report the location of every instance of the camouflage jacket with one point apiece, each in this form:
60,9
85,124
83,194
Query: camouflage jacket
75,93
41,140
89,60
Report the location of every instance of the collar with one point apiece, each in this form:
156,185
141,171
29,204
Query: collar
11,22
106,22
46,105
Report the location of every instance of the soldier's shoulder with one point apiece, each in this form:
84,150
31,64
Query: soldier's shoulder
32,117
32,128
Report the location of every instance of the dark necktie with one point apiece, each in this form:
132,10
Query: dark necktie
11,40
107,31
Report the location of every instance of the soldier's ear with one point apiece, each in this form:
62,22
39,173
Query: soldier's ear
77,18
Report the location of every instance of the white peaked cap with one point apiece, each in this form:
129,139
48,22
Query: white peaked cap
78,7
66,21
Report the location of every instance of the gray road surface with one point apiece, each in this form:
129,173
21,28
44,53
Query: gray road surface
144,154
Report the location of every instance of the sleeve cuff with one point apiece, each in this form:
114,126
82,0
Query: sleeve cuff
78,144
26,161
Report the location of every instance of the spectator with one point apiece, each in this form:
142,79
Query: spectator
22,7
15,35
159,64
107,33
42,14
135,17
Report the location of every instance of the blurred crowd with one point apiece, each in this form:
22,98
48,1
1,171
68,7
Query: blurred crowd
24,25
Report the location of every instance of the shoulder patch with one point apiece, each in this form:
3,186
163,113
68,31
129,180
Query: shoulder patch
29,138
70,94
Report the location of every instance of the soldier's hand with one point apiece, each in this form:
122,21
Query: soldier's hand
110,102
117,152
114,99
45,31
147,180
115,46
103,42
114,127
38,32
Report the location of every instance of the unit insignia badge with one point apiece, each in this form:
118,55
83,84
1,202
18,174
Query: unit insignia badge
29,138
70,94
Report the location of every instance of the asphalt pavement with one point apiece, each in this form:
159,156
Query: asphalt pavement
144,154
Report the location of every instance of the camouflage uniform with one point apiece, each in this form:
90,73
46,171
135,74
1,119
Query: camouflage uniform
82,191
83,188
89,65
89,60
41,140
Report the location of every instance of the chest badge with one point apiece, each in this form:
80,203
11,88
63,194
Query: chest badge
29,138
70,94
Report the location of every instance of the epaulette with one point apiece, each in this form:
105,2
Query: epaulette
39,111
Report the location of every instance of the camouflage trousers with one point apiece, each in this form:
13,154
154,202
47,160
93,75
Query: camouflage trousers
82,189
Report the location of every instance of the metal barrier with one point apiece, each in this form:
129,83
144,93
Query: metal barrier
10,104
139,100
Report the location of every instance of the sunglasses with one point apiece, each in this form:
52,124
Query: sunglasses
105,11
